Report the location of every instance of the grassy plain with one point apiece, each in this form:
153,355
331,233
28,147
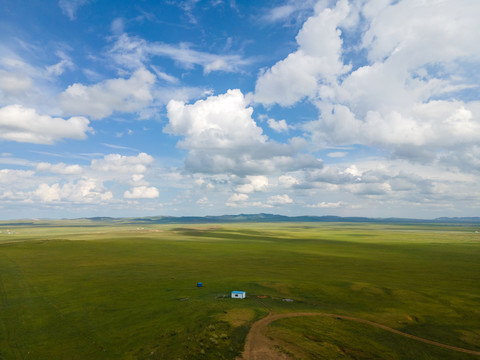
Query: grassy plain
85,290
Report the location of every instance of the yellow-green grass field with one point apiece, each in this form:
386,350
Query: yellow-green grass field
87,290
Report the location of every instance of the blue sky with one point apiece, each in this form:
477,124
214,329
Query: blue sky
209,107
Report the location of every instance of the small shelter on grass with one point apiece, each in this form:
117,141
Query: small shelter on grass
199,284
238,294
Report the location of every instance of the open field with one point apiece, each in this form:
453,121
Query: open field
85,290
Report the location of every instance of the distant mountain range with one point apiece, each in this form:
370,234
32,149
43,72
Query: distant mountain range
264,218
241,218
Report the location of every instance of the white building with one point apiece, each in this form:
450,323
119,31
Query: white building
238,294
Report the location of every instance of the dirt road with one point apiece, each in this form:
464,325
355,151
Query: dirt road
259,347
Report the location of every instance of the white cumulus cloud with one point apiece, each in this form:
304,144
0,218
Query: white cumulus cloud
60,168
21,124
14,177
142,192
222,137
103,99
280,200
235,198
318,59
386,74
121,164
278,126
253,183
82,191
327,205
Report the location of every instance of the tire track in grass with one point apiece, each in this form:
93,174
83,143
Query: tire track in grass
259,347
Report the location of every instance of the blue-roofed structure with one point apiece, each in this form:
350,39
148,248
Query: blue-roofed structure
238,294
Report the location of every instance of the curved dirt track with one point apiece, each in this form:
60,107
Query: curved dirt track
259,347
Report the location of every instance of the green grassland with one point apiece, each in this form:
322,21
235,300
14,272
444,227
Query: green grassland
84,290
